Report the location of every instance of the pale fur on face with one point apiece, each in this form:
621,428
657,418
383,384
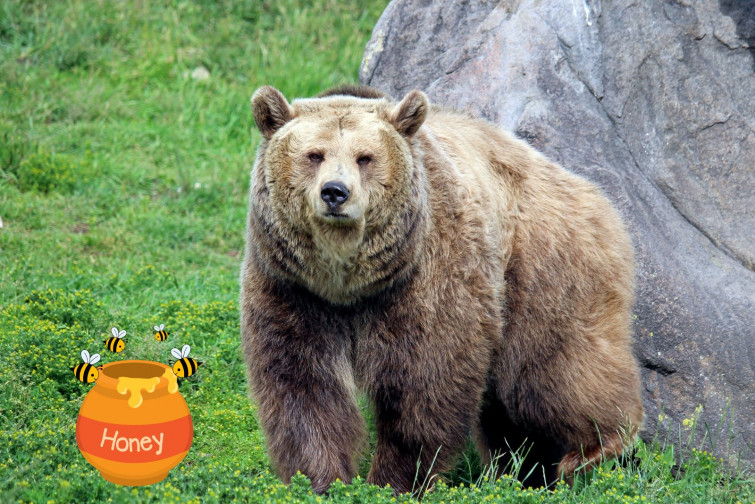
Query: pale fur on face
360,143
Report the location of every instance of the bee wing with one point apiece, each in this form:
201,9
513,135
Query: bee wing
157,328
176,353
185,351
114,331
162,326
121,334
94,359
85,356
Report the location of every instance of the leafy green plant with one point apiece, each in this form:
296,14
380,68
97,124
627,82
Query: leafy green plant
44,171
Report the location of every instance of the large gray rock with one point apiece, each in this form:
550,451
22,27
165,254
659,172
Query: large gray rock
654,101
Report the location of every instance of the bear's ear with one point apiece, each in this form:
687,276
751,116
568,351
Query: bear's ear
409,115
270,109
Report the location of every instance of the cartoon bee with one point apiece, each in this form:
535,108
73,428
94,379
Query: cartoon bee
185,366
116,343
161,334
85,372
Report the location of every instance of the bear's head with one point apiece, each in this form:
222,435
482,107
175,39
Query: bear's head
336,186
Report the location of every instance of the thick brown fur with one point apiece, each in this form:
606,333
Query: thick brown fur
468,285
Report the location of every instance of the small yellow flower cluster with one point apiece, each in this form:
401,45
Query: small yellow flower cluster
44,171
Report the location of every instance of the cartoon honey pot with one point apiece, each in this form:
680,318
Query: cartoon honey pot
134,426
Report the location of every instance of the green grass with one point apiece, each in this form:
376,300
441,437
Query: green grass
123,190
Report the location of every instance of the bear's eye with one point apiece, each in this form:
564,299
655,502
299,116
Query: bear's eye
364,160
316,157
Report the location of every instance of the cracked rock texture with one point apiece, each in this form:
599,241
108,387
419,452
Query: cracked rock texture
654,101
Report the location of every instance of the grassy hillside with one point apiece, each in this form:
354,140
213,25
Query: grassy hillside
125,148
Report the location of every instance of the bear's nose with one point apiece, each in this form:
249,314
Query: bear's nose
334,193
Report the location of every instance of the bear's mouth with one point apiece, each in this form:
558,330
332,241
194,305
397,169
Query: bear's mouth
337,219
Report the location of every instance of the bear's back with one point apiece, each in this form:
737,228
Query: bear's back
539,214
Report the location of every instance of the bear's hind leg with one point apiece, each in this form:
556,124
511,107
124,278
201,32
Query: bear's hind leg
590,456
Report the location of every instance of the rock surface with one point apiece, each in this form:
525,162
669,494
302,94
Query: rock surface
655,102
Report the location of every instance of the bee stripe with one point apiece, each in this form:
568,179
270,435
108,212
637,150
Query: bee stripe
187,367
82,371
193,365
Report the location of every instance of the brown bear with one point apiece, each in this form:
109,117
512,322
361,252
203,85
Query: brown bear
455,276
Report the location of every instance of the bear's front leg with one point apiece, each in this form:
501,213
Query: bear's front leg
423,418
301,378
425,376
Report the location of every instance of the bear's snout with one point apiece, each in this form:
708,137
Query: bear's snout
334,194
